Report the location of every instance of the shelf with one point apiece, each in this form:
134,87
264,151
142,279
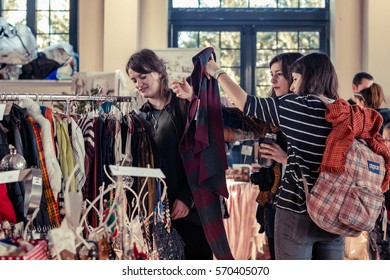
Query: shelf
36,86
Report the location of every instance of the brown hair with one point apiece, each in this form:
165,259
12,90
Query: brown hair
373,96
146,61
318,75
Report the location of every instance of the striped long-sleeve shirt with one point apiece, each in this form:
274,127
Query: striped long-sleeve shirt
302,120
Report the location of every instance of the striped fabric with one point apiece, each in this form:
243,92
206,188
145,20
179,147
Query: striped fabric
52,207
86,126
78,147
203,152
302,120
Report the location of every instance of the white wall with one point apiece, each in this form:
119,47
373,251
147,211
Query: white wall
377,42
346,39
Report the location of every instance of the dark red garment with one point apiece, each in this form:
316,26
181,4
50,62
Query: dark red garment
6,210
202,148
349,122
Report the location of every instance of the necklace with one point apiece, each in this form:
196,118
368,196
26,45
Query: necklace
155,125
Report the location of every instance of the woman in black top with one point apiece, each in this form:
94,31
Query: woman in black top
167,115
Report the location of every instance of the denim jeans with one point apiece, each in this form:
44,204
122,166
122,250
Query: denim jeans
297,237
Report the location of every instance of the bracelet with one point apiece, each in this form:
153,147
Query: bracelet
218,73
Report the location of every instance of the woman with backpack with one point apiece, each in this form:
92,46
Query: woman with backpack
301,117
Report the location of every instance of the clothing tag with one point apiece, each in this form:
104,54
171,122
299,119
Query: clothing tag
246,150
373,166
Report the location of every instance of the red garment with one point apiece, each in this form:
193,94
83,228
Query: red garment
349,122
6,210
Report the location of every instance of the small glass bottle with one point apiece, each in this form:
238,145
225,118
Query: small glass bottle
268,139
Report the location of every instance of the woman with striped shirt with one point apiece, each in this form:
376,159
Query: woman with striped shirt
301,117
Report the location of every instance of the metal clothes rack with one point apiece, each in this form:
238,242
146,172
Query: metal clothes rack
48,97
56,97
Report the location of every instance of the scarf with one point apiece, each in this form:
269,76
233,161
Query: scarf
349,122
202,148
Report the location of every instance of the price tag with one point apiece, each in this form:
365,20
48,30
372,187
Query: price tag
136,171
246,150
9,176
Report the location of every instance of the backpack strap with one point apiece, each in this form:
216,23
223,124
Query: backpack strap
326,101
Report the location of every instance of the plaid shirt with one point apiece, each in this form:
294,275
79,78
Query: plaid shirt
52,207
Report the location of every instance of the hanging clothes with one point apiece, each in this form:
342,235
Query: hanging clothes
204,157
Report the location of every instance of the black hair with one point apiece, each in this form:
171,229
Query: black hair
357,79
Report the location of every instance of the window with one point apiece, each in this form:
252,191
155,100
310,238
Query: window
51,21
248,33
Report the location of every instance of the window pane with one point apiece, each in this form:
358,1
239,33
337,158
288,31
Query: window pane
43,4
249,3
312,3
59,22
264,57
234,3
230,40
14,4
209,3
288,4
207,39
230,58
263,3
59,5
185,3
58,38
263,81
43,41
287,40
43,22
187,39
14,17
266,40
309,40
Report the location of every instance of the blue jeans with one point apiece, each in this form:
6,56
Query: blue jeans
298,238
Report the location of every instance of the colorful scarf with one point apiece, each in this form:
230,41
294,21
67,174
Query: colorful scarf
349,122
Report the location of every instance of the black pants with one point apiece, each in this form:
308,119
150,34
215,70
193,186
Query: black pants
196,246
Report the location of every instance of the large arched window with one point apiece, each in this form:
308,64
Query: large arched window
51,21
249,33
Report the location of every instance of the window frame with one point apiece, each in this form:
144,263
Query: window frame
249,21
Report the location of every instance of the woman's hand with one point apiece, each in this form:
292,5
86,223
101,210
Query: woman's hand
179,210
273,151
211,67
182,89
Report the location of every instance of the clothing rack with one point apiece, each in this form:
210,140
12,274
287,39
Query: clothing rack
57,97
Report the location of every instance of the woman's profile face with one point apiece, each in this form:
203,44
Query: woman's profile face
296,83
279,83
